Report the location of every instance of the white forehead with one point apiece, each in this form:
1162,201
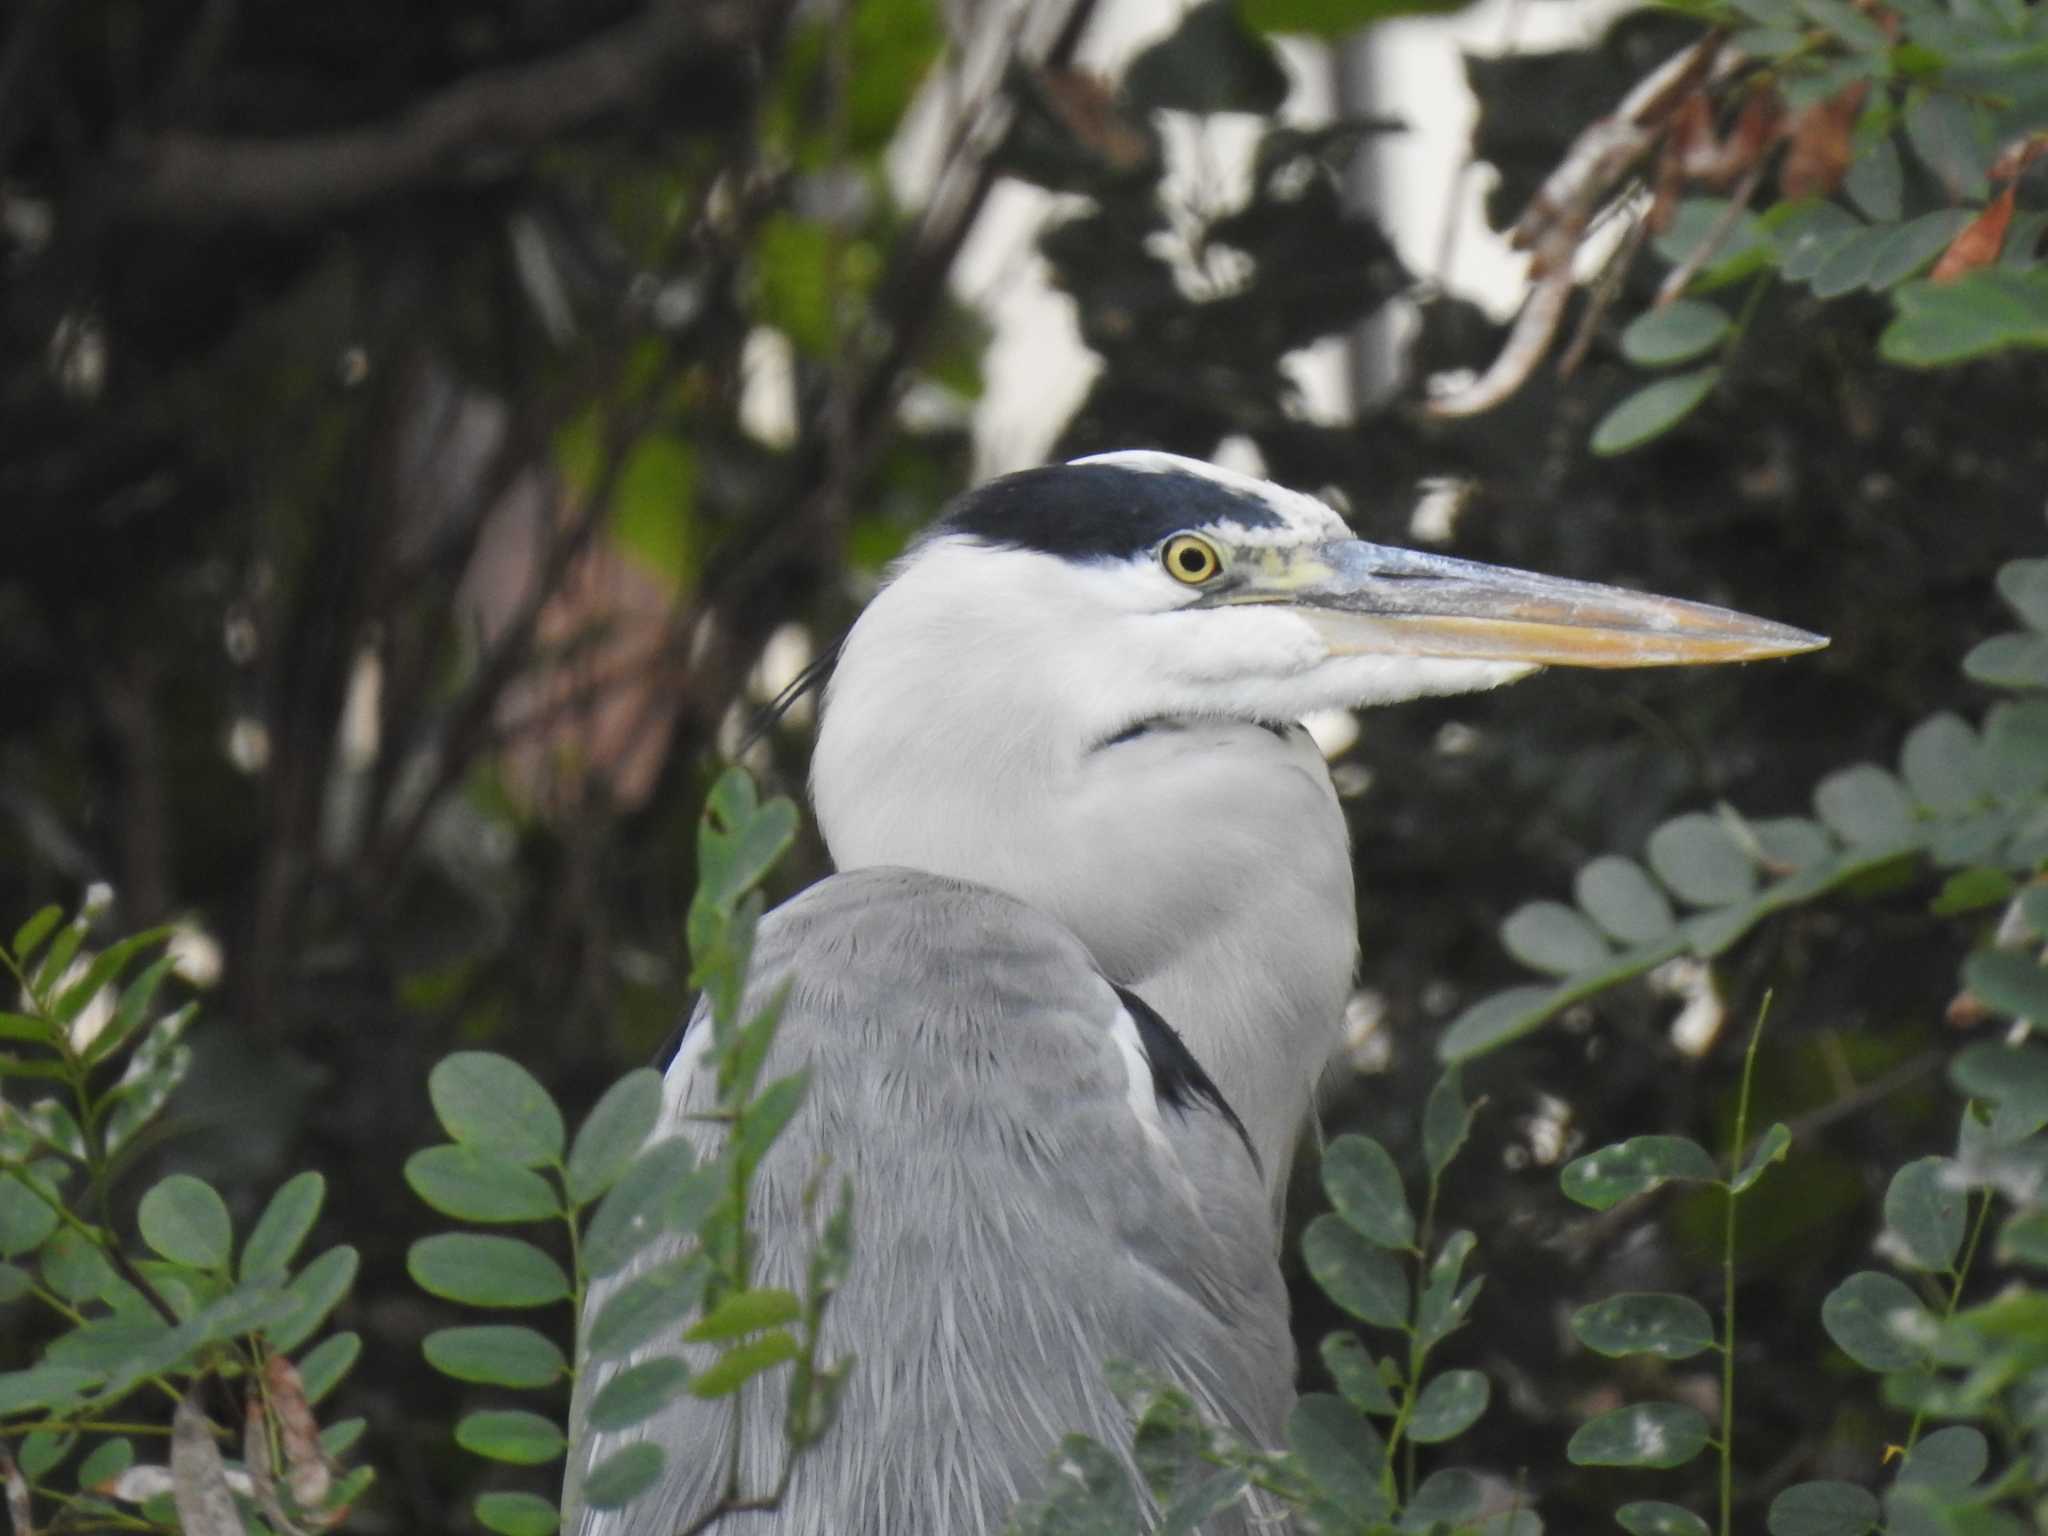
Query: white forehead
1301,517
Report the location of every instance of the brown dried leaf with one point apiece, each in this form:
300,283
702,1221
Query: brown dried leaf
1978,242
2022,152
256,1456
20,1513
199,1479
1822,144
1086,108
307,1472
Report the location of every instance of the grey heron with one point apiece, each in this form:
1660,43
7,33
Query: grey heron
1067,1000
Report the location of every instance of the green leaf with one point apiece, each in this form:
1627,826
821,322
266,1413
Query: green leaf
1697,857
1495,1020
1644,1435
1642,1163
1952,141
513,1435
1792,843
314,1292
45,1387
1807,234
1876,181
1446,1121
1863,805
1620,896
1972,890
29,1029
2024,584
1333,20
32,933
1652,1517
745,1312
1925,1207
651,1301
495,1105
1953,1458
2016,746
1351,1367
1449,1497
1448,1406
26,1219
1210,63
638,1393
741,841
652,507
1909,248
61,953
658,1187
1984,311
1676,333
1363,1280
2009,981
109,1459
1773,1146
1878,1322
1365,1187
321,1371
1940,762
743,1362
1645,1323
623,1476
516,1514
2009,661
2014,1078
1746,250
104,969
274,1241
473,1185
1849,263
2024,1240
772,1109
1823,1509
497,1355
1551,937
1441,1309
74,1267
186,1221
485,1271
611,1137
16,1282
1652,411
1341,1452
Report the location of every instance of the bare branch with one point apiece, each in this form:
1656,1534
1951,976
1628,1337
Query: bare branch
199,178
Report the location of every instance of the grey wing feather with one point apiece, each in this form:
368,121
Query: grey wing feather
1021,1216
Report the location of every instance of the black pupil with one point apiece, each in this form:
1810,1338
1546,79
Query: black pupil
1194,561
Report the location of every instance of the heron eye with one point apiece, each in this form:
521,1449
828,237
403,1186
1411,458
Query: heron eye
1191,559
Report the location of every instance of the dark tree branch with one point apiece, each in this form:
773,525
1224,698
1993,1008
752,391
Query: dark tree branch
198,178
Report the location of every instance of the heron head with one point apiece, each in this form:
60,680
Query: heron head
1143,584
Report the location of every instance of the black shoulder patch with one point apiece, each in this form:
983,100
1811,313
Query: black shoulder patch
1177,1077
665,1057
1099,511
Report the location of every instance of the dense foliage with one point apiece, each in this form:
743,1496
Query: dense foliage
394,526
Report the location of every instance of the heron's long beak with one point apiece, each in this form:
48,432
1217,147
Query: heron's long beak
1370,598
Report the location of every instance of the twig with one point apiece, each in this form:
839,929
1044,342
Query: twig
187,177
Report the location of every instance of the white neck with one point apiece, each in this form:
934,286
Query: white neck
1204,863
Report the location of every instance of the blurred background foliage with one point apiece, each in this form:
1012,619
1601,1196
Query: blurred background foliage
394,539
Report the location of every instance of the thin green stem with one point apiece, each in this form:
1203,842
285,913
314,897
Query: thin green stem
1955,1294
1740,1142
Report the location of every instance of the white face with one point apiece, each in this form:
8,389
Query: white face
1054,609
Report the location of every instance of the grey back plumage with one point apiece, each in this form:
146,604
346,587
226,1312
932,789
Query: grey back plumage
1022,1214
